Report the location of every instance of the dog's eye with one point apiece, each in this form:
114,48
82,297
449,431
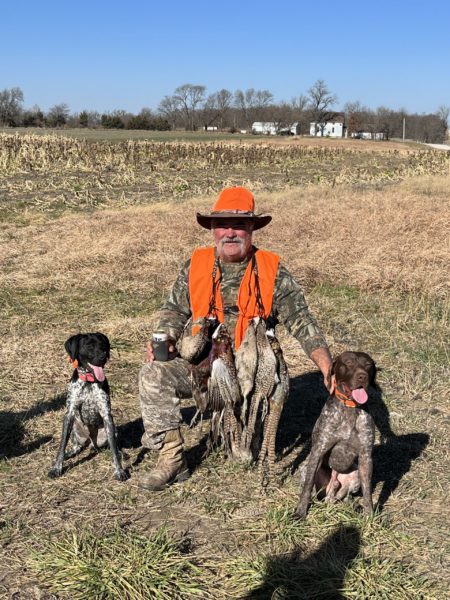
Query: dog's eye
341,369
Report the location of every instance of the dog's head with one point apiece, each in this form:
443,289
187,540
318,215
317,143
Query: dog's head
355,372
90,351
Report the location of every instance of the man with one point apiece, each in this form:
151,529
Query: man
234,282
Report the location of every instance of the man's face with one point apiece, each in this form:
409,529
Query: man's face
233,238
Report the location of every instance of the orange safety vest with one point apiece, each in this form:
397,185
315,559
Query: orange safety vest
201,284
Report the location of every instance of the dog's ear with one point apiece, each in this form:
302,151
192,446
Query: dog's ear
105,340
333,367
373,375
372,370
72,346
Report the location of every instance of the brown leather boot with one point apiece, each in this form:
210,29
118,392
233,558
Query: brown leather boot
171,465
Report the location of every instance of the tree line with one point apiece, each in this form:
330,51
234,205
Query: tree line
190,107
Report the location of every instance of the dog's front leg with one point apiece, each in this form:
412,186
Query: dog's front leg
366,435
365,475
69,418
119,472
314,461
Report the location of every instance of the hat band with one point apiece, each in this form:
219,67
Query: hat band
234,212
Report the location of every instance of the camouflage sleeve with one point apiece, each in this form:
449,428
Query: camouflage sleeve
290,308
176,310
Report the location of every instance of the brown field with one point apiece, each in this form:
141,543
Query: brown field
372,252
125,135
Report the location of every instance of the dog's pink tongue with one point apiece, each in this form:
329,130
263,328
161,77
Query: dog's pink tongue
98,372
359,395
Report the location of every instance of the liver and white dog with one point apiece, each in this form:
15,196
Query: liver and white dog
340,461
88,415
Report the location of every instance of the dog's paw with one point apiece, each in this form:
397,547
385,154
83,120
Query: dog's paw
121,475
55,472
300,512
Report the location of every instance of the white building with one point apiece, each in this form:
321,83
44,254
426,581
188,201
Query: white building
335,129
267,128
367,135
293,129
264,128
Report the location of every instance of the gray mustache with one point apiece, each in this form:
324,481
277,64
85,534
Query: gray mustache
232,239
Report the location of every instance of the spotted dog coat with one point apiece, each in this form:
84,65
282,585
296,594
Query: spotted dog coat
88,415
342,436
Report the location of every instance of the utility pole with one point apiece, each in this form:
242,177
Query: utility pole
404,121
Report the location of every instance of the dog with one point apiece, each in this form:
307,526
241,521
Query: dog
342,439
88,415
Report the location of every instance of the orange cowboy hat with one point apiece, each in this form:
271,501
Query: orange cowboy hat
234,203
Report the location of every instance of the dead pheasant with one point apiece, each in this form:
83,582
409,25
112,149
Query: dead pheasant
276,403
223,393
265,379
191,345
246,364
200,375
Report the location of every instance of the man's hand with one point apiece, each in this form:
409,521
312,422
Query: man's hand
322,358
150,357
330,383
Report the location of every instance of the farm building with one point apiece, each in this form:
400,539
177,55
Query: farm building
264,128
267,128
293,129
367,135
335,128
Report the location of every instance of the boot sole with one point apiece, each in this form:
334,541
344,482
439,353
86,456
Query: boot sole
159,488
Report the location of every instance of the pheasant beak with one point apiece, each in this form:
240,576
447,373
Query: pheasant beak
215,335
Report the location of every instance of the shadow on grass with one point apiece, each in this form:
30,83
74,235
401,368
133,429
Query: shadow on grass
393,459
12,429
129,434
320,575
307,396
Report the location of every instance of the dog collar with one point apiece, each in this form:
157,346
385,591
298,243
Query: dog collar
86,376
345,398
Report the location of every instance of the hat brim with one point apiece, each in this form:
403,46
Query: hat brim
259,221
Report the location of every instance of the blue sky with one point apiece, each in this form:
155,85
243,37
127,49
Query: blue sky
108,54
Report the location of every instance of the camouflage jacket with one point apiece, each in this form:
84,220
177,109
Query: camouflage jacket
289,305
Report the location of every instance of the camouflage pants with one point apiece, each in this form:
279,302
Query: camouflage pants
161,386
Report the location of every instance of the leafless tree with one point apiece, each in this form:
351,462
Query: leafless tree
301,113
10,106
169,109
33,117
58,115
443,113
320,102
388,122
216,108
357,117
253,104
188,97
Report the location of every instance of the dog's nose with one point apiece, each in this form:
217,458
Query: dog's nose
362,377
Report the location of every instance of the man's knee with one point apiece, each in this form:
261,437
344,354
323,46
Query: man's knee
160,382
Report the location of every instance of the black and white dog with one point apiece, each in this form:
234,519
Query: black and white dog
88,415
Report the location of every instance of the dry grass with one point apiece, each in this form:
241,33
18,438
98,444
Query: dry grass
374,261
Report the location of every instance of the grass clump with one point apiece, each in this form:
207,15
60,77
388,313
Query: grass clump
118,565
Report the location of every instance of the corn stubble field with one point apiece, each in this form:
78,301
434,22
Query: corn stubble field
92,237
